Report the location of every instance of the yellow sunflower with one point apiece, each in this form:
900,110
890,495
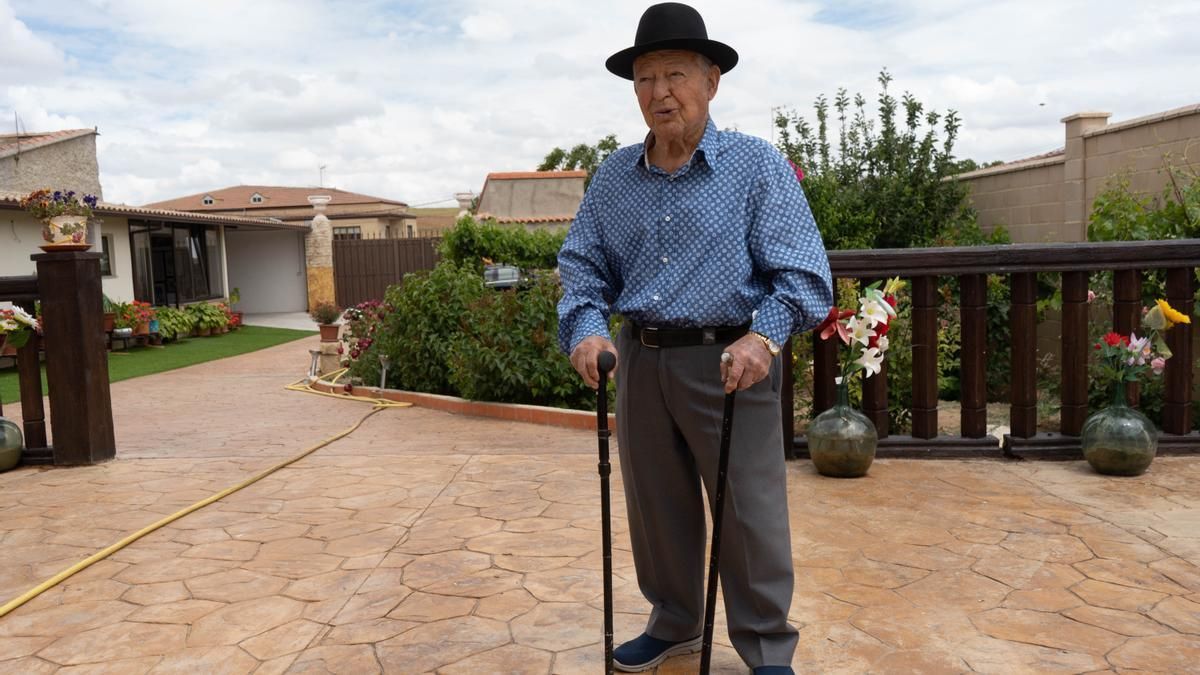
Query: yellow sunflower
1172,315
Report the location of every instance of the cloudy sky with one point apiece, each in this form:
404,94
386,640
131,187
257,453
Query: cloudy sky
418,99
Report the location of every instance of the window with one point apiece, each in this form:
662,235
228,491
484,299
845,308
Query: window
256,198
106,248
347,233
208,200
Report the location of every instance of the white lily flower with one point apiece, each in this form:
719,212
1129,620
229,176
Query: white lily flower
882,343
873,311
859,330
871,361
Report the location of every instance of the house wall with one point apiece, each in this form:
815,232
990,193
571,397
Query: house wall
267,268
65,165
531,197
21,234
1050,199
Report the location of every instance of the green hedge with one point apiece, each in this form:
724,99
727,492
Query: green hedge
449,334
471,241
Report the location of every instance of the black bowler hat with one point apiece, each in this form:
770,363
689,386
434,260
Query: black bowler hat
671,25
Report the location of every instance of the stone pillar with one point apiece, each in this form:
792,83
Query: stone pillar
464,200
1075,214
318,255
76,357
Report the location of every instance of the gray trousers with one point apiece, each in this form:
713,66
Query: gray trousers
669,406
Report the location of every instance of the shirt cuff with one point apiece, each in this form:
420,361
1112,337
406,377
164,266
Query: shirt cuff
774,320
590,324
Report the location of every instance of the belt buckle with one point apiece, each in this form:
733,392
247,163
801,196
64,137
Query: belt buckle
708,336
642,336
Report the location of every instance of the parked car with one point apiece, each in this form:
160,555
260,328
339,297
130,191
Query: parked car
501,276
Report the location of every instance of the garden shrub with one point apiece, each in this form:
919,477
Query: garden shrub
508,351
471,241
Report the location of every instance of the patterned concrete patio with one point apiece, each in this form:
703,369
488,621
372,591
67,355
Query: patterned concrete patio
428,542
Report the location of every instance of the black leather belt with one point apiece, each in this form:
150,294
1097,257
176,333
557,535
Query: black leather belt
656,337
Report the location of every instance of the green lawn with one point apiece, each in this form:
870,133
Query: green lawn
136,362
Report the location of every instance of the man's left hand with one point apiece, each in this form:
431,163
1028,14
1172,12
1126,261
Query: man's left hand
751,363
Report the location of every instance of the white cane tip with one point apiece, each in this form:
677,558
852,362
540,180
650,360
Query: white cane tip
726,357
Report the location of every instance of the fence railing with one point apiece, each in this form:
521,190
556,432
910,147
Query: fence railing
364,268
68,288
1021,263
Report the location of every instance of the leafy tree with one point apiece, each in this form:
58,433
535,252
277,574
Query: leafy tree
880,182
582,156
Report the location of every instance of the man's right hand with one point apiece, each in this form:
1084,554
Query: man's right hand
583,359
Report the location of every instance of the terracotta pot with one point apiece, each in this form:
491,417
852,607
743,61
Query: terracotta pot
65,233
329,332
109,319
204,332
141,329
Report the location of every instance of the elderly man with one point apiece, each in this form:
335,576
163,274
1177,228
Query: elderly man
703,241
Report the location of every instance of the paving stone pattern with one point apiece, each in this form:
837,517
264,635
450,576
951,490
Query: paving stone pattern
429,542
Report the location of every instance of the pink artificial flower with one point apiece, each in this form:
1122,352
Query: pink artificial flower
1158,364
1091,295
798,170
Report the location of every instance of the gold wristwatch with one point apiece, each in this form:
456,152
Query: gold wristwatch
768,343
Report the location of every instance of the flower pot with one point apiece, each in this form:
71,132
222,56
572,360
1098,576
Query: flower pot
1119,441
842,440
65,233
153,325
141,329
329,332
10,444
204,332
109,319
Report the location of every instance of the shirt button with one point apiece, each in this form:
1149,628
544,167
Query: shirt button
664,259
668,219
655,297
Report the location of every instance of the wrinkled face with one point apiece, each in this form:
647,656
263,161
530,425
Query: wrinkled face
673,90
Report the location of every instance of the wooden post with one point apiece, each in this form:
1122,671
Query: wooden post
76,360
973,311
825,369
924,350
29,374
1075,351
1127,315
1177,409
787,401
1023,320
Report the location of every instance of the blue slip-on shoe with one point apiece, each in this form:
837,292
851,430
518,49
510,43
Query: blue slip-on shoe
645,652
774,670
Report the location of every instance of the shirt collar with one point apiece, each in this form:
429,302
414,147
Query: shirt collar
705,150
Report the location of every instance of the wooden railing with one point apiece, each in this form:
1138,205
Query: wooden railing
69,289
1021,263
23,292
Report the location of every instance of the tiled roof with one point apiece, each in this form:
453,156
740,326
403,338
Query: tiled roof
522,175
274,197
12,200
528,220
12,144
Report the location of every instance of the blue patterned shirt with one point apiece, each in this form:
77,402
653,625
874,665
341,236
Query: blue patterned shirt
726,240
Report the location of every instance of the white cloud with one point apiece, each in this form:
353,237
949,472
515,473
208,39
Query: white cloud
487,27
416,100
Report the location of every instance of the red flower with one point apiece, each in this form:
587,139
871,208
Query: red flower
1114,339
798,170
833,324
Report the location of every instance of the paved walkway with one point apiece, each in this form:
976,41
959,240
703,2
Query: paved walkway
433,542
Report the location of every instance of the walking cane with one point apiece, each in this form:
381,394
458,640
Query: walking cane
605,364
710,603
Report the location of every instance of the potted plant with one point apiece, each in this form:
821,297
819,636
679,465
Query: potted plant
64,217
235,296
136,315
174,323
842,440
16,327
1119,440
110,313
326,315
209,318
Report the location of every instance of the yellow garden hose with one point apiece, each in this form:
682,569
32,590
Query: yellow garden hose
379,404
